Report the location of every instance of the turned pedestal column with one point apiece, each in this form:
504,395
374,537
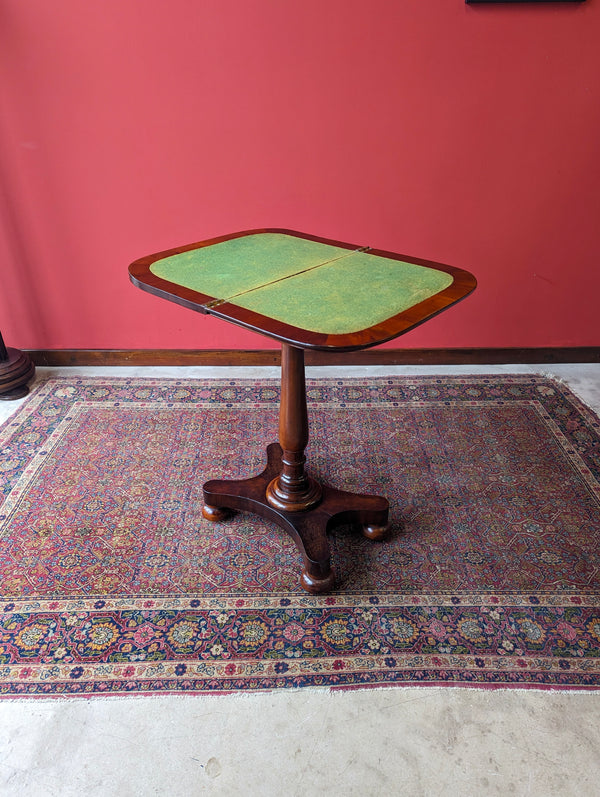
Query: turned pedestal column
292,490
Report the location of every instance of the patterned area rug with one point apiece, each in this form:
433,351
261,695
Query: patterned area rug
112,582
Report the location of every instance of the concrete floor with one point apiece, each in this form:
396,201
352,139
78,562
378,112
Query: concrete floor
397,741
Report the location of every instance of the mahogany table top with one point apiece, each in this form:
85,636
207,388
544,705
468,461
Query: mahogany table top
300,289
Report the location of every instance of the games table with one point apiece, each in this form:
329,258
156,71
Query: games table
308,293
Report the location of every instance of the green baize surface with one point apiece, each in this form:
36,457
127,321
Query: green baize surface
310,285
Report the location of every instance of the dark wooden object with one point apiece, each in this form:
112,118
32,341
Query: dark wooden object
16,369
284,493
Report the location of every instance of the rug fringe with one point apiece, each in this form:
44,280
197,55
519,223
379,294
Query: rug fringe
325,692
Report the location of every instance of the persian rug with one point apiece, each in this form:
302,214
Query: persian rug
111,582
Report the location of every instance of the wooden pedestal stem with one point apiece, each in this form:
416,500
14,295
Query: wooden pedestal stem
293,490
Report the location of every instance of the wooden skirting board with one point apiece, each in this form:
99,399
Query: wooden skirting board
232,357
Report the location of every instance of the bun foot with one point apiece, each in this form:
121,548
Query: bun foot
215,513
315,585
376,532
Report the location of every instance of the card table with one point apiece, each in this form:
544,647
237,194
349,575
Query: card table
308,293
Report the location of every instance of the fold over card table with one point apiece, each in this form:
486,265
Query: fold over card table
308,293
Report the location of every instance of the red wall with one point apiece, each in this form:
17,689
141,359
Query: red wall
464,134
